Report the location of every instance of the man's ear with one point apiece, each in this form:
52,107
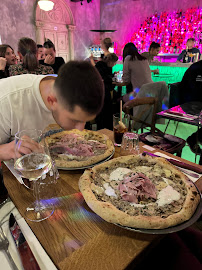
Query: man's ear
52,101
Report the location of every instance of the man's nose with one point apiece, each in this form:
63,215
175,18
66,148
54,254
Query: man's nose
80,126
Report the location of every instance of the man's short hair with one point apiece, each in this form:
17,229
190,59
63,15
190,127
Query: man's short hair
191,39
49,44
154,45
79,83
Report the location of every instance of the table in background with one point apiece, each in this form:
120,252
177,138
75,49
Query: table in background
75,237
168,114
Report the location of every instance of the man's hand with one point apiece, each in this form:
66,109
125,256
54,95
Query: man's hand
26,146
2,63
155,71
49,60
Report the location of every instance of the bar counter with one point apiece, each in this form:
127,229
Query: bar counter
168,72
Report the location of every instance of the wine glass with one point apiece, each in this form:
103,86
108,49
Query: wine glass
33,161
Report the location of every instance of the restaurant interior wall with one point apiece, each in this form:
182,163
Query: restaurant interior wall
126,16
18,20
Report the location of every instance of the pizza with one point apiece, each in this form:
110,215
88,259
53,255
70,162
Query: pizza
139,192
74,148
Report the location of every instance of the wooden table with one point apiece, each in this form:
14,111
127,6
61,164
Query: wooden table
75,237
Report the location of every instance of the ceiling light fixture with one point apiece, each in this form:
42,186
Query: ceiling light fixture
46,5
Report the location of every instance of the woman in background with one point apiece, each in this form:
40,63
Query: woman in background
128,50
135,68
27,50
105,118
106,43
7,58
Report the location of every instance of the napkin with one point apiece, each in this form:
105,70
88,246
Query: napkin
179,116
190,177
41,256
10,165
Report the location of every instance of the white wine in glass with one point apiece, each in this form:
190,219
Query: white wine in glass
33,161
34,165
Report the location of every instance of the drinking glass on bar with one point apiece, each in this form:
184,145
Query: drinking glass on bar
33,161
120,127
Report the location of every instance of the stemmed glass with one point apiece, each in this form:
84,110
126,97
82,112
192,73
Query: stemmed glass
33,161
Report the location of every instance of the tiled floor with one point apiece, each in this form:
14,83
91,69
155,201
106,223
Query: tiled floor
183,131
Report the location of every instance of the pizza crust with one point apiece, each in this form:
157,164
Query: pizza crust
62,163
110,213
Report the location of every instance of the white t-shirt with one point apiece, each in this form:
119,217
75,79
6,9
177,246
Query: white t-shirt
137,72
21,106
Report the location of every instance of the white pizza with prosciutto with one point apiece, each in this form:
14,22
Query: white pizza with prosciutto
139,192
72,149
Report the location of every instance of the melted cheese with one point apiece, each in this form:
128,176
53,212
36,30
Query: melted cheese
165,180
109,190
72,157
167,196
140,205
119,173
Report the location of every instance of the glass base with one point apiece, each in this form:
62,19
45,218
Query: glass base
40,213
117,144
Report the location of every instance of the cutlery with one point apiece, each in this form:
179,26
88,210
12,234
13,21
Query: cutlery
28,260
4,243
178,163
194,175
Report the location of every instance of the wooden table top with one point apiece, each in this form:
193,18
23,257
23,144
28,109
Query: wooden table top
75,237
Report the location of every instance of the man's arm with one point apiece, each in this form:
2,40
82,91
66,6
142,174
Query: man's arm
180,57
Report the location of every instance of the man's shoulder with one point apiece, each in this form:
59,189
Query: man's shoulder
197,66
14,84
196,50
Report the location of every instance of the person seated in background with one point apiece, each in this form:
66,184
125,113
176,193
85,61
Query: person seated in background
186,55
34,102
40,52
106,44
105,118
157,90
136,69
190,89
7,58
27,50
50,57
154,50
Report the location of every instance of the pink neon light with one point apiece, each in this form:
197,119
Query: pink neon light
171,30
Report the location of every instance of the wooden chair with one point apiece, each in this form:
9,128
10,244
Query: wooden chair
150,105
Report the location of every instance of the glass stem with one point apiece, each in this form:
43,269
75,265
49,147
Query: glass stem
36,191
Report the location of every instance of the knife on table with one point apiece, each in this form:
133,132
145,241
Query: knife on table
28,260
178,163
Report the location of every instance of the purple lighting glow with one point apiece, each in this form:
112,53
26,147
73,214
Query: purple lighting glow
171,30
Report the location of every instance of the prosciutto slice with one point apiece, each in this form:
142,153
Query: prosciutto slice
81,150
136,187
76,145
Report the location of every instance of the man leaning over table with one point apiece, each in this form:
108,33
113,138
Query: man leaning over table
35,101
